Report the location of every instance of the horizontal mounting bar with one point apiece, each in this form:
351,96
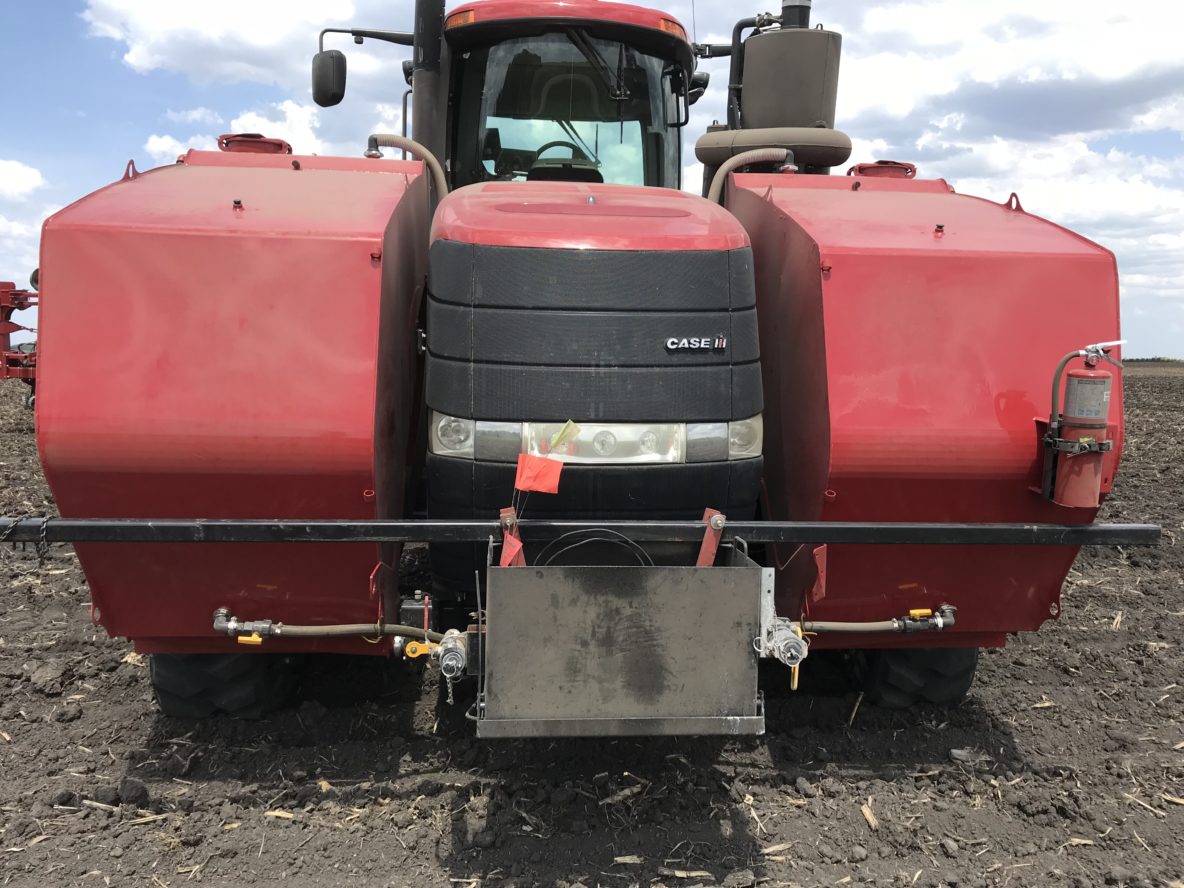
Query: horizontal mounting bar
719,726
181,530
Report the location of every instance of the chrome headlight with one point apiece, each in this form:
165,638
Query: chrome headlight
746,437
606,442
603,443
452,436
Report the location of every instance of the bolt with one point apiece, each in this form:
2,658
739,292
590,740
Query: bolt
717,522
238,204
939,228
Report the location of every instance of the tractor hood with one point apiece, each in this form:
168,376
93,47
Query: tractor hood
566,215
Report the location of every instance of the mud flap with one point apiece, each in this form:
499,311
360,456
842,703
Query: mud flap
614,651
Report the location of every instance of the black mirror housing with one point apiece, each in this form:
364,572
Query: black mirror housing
328,77
699,82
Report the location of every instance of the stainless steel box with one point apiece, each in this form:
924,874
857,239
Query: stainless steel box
596,651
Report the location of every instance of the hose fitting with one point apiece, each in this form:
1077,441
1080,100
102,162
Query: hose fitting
453,652
756,155
225,624
378,141
928,621
784,642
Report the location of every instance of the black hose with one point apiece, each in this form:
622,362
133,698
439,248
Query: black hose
283,629
850,628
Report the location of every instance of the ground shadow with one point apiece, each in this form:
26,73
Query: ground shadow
376,743
828,722
676,809
353,722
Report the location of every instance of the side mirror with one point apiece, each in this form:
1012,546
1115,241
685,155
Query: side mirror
699,81
328,77
408,70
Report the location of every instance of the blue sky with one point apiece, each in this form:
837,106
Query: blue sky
1079,107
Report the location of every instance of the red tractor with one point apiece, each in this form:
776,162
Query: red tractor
649,437
18,361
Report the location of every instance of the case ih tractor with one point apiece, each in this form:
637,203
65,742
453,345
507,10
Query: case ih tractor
649,437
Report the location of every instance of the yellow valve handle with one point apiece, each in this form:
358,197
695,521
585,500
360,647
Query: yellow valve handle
416,649
254,638
920,613
795,671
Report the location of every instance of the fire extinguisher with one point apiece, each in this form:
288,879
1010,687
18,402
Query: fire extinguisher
1077,438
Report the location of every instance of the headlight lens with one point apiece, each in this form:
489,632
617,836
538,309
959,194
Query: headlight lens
596,442
746,437
603,443
451,435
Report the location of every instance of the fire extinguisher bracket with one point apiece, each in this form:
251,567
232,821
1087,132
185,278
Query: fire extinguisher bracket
1075,448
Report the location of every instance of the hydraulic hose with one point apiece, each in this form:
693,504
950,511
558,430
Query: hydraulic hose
358,629
226,623
390,140
851,628
916,621
757,155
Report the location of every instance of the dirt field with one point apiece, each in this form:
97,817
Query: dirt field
1065,767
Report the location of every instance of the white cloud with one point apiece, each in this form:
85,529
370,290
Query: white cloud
18,180
194,115
295,124
217,40
166,149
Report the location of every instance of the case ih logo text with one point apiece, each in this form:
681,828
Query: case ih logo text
718,343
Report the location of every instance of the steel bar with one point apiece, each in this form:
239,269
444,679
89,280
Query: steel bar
727,726
179,530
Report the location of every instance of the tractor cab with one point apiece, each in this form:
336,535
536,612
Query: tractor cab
590,97
555,90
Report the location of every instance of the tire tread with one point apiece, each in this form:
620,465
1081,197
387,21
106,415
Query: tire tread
901,678
193,686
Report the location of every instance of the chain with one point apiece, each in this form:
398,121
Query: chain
42,543
42,540
448,681
12,526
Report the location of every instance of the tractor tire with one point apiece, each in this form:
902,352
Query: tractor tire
248,686
901,678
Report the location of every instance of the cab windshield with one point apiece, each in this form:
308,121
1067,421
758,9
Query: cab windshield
566,105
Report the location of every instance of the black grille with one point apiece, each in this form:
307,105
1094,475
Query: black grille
545,334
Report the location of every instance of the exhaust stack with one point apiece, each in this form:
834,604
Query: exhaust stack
795,13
